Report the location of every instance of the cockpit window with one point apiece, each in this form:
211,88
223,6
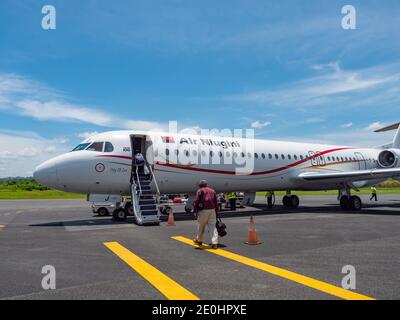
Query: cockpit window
96,146
80,147
108,147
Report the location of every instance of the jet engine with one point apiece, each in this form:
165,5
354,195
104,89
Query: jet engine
389,158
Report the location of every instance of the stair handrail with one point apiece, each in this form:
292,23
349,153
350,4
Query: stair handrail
136,207
138,180
154,179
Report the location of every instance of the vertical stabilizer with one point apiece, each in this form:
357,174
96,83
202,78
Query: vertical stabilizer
396,139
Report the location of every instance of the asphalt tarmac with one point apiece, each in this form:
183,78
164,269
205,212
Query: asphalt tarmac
301,256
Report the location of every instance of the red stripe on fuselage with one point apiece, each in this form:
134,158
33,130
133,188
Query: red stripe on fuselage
171,165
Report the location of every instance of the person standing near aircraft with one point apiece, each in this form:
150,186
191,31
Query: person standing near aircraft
232,197
270,196
374,194
205,209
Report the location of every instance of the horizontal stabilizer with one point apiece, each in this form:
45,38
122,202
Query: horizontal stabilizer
389,128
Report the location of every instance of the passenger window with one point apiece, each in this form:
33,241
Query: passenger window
108,147
276,156
301,157
295,157
289,157
96,146
263,156
270,156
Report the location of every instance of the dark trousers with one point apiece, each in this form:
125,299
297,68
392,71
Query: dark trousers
232,203
374,196
269,200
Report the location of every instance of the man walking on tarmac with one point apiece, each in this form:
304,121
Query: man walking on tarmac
205,209
232,200
374,194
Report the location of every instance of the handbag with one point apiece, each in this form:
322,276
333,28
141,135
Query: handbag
221,227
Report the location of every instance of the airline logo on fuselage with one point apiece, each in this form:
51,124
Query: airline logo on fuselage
168,139
225,144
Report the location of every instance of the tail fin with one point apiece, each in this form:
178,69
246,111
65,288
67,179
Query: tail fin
396,140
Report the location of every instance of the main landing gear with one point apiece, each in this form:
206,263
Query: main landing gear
291,201
350,202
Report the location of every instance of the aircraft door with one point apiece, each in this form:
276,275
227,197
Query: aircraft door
362,165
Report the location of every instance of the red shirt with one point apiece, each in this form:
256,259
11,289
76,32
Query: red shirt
208,197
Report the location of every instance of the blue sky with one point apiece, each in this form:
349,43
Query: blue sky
285,68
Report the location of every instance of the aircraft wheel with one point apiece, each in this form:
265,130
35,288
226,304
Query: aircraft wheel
129,209
119,214
188,209
344,202
355,203
287,201
103,212
294,202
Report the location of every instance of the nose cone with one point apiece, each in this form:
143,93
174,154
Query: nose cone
46,173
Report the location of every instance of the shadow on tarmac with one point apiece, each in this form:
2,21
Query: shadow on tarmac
261,210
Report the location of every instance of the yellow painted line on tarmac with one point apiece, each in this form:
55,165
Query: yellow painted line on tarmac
306,281
168,287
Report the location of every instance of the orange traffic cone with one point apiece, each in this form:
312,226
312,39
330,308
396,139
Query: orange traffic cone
171,219
252,233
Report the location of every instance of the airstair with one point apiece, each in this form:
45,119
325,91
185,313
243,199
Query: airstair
144,198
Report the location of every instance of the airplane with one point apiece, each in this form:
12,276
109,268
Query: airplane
104,164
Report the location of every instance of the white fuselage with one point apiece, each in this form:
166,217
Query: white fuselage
267,165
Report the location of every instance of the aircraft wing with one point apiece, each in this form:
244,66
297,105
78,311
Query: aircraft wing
351,176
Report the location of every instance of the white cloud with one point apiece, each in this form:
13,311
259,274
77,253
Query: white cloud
21,152
334,86
61,111
258,124
375,126
35,100
347,125
87,134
